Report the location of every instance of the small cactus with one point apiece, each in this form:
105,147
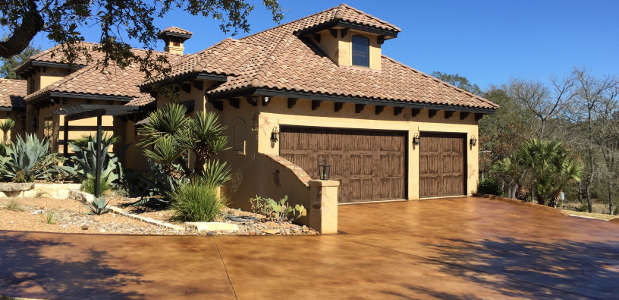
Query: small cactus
99,206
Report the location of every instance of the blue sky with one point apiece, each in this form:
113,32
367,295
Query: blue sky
489,42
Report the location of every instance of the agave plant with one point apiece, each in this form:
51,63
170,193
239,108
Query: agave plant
99,206
29,159
6,126
85,158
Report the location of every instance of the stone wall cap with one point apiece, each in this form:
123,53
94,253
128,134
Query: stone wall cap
316,182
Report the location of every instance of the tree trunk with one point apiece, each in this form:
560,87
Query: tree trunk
610,197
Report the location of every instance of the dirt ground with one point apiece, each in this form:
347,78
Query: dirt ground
66,215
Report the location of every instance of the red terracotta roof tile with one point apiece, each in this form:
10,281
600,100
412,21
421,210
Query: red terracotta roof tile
174,29
12,92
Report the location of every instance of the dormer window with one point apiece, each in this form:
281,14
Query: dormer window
360,51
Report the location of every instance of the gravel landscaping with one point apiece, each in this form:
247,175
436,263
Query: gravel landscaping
73,216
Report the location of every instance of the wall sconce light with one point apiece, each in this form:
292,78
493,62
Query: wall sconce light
324,169
416,140
473,141
266,99
274,135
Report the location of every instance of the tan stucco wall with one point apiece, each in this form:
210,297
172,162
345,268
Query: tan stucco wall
277,113
340,49
45,76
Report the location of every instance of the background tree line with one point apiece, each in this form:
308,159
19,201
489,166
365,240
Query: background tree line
571,125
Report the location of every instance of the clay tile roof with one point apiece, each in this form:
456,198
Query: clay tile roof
346,13
175,30
90,80
290,63
12,92
228,57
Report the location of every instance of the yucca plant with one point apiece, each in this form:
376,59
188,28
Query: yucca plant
215,173
99,206
6,126
206,137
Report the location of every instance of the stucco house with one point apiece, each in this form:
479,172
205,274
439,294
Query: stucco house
299,98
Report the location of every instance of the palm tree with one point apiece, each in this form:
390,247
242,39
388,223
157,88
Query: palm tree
551,166
6,126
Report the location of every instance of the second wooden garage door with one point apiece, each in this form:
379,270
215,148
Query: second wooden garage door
442,165
370,165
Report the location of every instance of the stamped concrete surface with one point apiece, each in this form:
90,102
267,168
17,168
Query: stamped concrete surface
459,248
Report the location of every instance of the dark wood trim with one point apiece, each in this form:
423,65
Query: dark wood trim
186,87
343,32
333,33
198,84
397,110
380,39
348,25
415,112
234,102
432,113
316,37
337,106
252,100
292,102
359,107
90,96
448,114
463,115
358,100
84,128
315,104
378,109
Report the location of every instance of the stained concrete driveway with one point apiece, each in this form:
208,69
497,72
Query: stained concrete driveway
463,248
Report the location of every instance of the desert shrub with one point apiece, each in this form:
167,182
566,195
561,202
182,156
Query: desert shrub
99,206
88,185
278,211
13,205
196,201
489,186
29,159
85,160
50,218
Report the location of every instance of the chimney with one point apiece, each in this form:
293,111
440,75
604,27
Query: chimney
174,37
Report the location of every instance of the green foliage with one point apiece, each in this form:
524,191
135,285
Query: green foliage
551,167
216,173
13,205
64,22
8,65
99,206
84,158
166,138
278,211
88,184
50,218
29,159
206,136
489,186
196,201
458,81
6,126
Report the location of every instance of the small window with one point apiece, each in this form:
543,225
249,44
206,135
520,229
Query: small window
176,44
360,51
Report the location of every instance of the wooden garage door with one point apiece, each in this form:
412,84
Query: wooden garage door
442,165
370,165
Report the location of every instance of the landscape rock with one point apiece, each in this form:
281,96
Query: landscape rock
15,187
213,226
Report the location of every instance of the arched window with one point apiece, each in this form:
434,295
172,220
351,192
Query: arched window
360,51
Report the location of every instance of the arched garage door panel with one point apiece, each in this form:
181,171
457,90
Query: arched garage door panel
370,165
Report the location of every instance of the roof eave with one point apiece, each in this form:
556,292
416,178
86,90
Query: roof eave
146,87
361,100
379,31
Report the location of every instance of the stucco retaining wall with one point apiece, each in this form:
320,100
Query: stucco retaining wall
30,190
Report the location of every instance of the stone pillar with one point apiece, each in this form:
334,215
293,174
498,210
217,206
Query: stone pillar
322,208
